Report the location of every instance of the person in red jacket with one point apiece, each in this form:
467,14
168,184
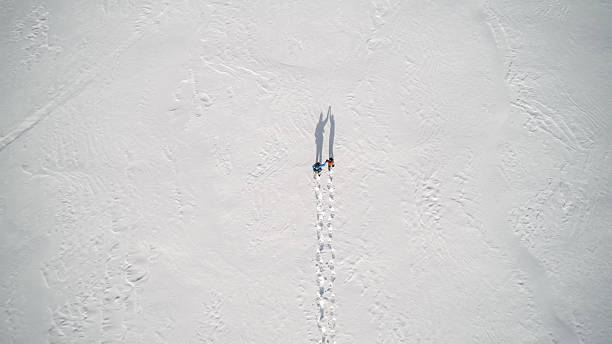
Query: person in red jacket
330,163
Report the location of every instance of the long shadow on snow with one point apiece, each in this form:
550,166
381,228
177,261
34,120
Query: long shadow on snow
319,130
332,132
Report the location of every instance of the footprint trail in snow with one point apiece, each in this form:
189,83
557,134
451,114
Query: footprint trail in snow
326,319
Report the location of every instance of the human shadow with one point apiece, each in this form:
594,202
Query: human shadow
332,131
319,130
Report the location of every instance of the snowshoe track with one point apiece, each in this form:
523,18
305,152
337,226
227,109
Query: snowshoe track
326,275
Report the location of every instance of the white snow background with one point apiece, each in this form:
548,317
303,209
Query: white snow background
156,182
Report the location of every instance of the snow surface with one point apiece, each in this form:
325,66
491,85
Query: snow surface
156,183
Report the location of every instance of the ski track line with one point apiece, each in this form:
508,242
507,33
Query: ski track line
74,88
326,275
32,120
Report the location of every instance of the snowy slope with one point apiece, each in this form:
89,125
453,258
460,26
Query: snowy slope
155,181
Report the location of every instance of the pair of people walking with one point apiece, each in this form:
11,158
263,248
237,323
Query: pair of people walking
318,166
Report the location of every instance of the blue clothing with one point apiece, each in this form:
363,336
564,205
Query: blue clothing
317,167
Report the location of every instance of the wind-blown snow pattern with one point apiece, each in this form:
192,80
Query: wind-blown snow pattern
326,275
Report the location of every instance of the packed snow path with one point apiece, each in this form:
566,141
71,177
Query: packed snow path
325,256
